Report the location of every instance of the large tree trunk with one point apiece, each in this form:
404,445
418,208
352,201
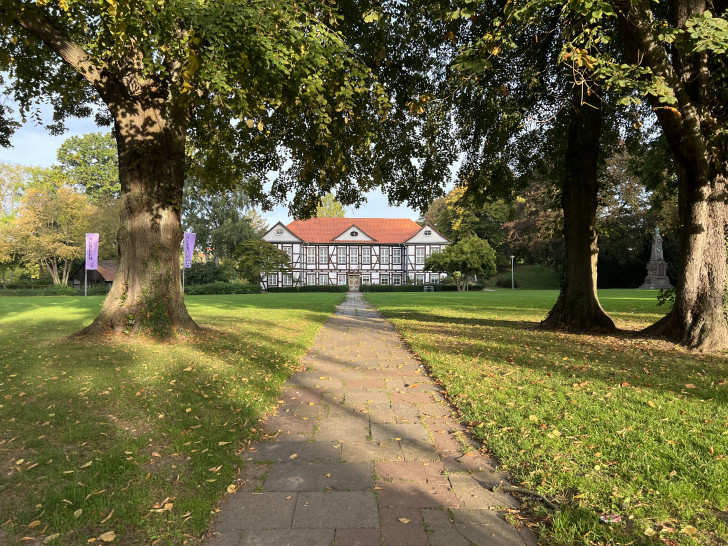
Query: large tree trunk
697,318
578,308
147,292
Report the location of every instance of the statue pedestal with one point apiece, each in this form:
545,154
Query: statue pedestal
656,278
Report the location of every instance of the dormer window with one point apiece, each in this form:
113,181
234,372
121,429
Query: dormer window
428,232
354,233
279,231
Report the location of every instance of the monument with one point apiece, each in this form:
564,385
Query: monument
657,267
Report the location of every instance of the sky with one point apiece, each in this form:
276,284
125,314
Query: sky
33,146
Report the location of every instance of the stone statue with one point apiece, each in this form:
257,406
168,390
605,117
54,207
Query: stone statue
657,267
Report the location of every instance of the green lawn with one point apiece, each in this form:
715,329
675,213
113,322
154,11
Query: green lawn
527,277
137,438
600,424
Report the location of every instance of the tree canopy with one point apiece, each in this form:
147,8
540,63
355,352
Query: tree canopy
463,259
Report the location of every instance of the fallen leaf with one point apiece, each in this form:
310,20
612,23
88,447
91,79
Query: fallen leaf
109,536
690,386
650,532
187,369
223,443
232,488
404,520
87,464
155,454
689,530
107,518
293,456
77,513
51,538
34,524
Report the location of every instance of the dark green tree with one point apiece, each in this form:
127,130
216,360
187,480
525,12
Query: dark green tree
91,161
255,259
469,256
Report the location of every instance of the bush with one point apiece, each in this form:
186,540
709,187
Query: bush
27,285
97,289
312,288
51,290
409,288
207,273
505,282
221,288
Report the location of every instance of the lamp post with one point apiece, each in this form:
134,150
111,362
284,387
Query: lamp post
513,282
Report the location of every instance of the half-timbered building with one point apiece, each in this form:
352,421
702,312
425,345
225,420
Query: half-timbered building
340,251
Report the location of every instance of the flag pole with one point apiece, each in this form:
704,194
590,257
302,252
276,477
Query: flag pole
85,281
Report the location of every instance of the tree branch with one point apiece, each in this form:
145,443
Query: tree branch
36,23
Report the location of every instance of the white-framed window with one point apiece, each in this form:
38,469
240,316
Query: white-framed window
341,255
287,279
354,255
420,278
323,279
434,249
366,279
396,256
384,279
342,279
323,254
279,231
273,279
310,254
434,279
428,232
384,255
396,280
288,250
311,279
366,255
420,255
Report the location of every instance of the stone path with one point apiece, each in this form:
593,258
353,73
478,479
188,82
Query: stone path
367,452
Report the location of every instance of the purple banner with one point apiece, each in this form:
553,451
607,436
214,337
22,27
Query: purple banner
189,249
92,251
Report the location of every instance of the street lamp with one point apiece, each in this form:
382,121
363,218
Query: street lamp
513,282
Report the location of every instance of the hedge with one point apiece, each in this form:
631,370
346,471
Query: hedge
221,288
312,288
51,290
415,287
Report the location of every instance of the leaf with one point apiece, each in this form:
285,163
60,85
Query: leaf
293,456
223,443
107,518
77,513
87,464
109,536
690,386
232,488
689,530
51,538
404,520
34,524
650,532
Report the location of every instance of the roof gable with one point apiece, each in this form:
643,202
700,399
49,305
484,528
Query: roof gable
281,234
428,234
380,230
354,234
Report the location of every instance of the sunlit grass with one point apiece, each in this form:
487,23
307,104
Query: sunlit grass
137,437
601,424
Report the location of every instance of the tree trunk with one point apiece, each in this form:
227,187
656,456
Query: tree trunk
147,292
697,318
578,308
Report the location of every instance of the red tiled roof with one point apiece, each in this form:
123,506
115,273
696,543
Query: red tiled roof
107,269
382,230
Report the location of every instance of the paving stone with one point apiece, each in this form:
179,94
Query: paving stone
296,396
312,412
472,461
371,451
358,537
294,476
356,384
446,442
416,450
401,494
336,509
434,410
289,425
472,495
416,471
485,527
402,527
368,397
399,431
288,537
307,452
406,412
358,434
257,511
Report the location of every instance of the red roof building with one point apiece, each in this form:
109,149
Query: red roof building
355,251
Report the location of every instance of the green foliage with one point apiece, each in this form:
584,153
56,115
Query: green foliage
255,259
597,424
412,287
206,273
91,161
329,207
527,277
47,290
469,256
222,288
310,288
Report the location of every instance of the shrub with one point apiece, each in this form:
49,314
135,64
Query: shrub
408,288
311,288
221,288
207,273
51,290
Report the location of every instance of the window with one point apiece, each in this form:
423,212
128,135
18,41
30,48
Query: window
434,279
396,280
323,279
419,256
428,232
366,279
397,256
287,280
384,256
354,233
366,255
384,279
323,253
342,279
434,249
310,254
311,279
420,278
341,255
272,279
354,255
288,250
279,231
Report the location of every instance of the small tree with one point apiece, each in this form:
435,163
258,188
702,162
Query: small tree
329,207
469,256
255,259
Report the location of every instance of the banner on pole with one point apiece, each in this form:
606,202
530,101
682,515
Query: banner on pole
92,251
189,249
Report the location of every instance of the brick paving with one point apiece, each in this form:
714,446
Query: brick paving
365,451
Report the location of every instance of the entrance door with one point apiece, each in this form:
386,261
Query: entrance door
354,281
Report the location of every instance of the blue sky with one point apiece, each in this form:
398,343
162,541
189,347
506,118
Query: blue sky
32,145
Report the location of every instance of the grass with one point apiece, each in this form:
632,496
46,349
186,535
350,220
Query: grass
527,277
600,424
137,438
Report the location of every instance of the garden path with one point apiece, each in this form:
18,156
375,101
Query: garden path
366,451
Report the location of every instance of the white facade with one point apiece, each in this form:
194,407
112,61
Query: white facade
355,257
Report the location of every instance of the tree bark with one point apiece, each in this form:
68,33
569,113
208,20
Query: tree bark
577,308
697,318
